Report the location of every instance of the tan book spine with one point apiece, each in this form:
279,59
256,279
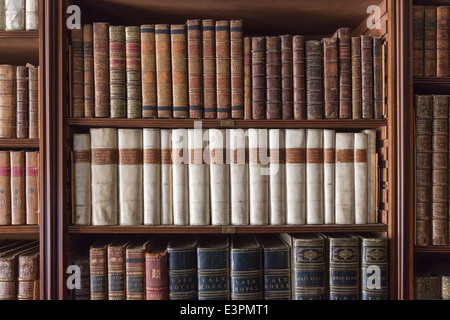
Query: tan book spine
32,187
163,70
5,188
77,74
277,177
258,78
345,178
117,75
367,109
166,178
101,69
33,100
8,101
331,78
148,67
194,47
209,69
133,72
237,69
152,176
116,271
223,69
22,103
180,178
88,67
345,73
361,178
18,204
247,78
82,179
314,177
179,71
287,80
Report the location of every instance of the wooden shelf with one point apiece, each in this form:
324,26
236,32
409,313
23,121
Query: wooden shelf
432,80
19,47
19,229
432,249
19,143
19,34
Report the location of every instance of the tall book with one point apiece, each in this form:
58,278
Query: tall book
180,179
80,259
101,69
163,71
277,177
314,177
104,176
152,176
15,15
88,68
28,275
223,69
148,67
213,268
345,179
77,74
258,78
166,178
18,198
135,269
237,69
356,78
443,41
22,103
367,110
273,78
331,78
361,183
329,175
195,74
8,101
31,15
81,179
345,73
372,174
32,187
247,78
430,41
116,255
178,45
299,76
418,19
33,101
133,71
117,72
131,198
5,188
98,269
287,78
209,68
156,271
314,80
378,94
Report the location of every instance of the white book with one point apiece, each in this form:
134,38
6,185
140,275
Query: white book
2,15
361,176
372,175
277,178
295,176
345,179
166,178
152,176
180,177
314,177
82,179
31,15
15,15
329,146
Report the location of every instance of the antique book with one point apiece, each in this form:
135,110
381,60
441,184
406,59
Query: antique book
287,78
220,177
331,78
299,77
117,72
418,22
443,41
223,69
277,177
329,175
98,270
237,69
361,178
32,187
378,94
33,100
148,68
152,176
430,41
77,74
5,188
80,259
356,78
182,268
345,179
28,275
427,287
2,15
314,80
247,78
88,68
131,197
135,269
276,267
81,179
273,78
180,178
22,103
213,268
8,101
18,198
178,45
166,178
345,73
156,271
101,69
295,176
445,287
133,71
104,176
246,268
372,175
116,266
258,78
199,179
15,15
209,68
314,177
163,71
195,73
31,15
367,110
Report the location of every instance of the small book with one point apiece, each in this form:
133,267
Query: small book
273,78
223,69
8,101
345,179
133,72
237,69
88,68
331,78
329,175
180,178
195,73
77,74
81,179
148,67
15,15
18,198
116,255
5,188
163,71
287,78
299,75
178,45
98,269
156,270
33,100
32,187
418,22
31,15
314,80
22,103
209,68
361,178
258,78
430,67
152,176
101,69
277,177
314,177
166,178
117,72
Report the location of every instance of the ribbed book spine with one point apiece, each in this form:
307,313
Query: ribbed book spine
378,94
331,78
179,71
247,78
345,73
372,174
8,101
273,78
22,103
418,19
116,272
314,80
345,179
5,188
88,68
15,15
101,69
361,178
180,179
356,78
33,100
32,187
287,80
28,275
148,67
237,69
81,179
182,267
31,15
156,268
430,41
314,177
166,178
117,72
98,272
258,78
209,69
135,273
152,176
223,69
367,110
299,76
277,177
133,72
194,51
443,41
329,172
18,204
77,74
374,255
163,70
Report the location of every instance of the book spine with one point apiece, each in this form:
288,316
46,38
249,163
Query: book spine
223,69
213,274
133,72
180,182
378,94
116,273
367,77
299,77
156,281
237,69
361,178
273,78
33,100
88,67
2,15
287,80
209,69
18,204
277,274
427,288
182,269
135,274
329,170
246,274
148,67
194,46
443,41
7,280
117,72
152,176
331,78
22,103
247,78
5,188
356,78
32,187
8,101
15,15
372,176
27,278
430,42
345,73
445,287
345,179
101,69
314,80
77,74
82,179
418,40
374,254
277,177
179,71
163,71
31,15
258,78
314,177
166,178
98,273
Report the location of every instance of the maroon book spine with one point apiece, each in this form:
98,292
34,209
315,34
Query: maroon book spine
209,69
314,80
223,70
299,91
345,73
331,77
287,84
101,69
156,276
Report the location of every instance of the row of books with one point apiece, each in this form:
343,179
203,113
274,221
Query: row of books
19,272
432,287
19,102
19,15
432,169
238,267
208,69
223,177
431,41
19,188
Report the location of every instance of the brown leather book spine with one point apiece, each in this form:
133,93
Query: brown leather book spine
247,78
273,78
331,77
148,66
209,69
5,188
356,78
88,67
8,101
179,71
22,103
287,80
418,40
135,274
194,46
32,187
33,101
101,69
223,69
116,273
258,78
443,41
298,52
163,71
99,274
345,73
314,80
367,77
28,276
133,72
430,42
18,204
77,74
237,69
117,76
378,94
156,276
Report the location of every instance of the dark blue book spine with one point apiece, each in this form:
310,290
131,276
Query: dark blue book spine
277,274
309,271
246,274
213,274
183,274
374,270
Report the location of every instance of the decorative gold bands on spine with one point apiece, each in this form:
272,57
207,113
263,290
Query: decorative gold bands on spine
117,75
299,77
209,69
163,70
179,71
133,72
247,78
104,156
130,156
223,70
148,67
194,47
237,69
8,101
22,103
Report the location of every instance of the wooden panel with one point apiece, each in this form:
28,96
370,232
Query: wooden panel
19,47
19,143
19,229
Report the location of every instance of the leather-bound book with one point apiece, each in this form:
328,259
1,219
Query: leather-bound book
237,69
220,177
314,80
166,178
213,265
314,177
329,172
247,78
152,176
81,179
287,78
163,70
195,73
133,72
116,257
223,69
378,94
427,287
277,177
80,258
295,176
299,76
182,258
117,72
101,69
209,68
28,275
445,287
135,269
104,176
356,78
5,188
246,268
276,267
345,179
345,73
32,187
131,198
77,74
180,178
31,15
88,67
22,103
361,178
148,67
33,100
179,71
18,198
2,15
430,41
331,78
8,101
443,41
372,174
98,270
273,78
15,15
367,110
418,40
259,78
156,271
